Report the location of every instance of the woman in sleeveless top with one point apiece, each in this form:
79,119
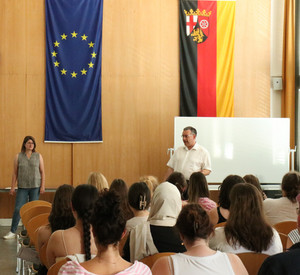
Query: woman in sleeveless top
76,242
30,175
108,221
195,227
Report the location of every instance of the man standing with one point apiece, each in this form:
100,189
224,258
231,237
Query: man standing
189,158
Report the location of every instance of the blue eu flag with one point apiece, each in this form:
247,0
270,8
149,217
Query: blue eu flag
73,70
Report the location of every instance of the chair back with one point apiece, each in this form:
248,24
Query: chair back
43,254
34,211
53,270
122,243
283,238
150,260
34,224
220,224
30,204
285,227
252,261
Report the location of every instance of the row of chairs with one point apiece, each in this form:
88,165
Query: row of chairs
33,215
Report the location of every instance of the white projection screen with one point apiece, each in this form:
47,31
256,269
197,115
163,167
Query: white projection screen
259,146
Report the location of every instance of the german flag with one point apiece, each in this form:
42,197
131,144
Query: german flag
207,31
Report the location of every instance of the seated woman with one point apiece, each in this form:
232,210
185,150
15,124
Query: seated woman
139,200
108,223
255,181
284,208
179,181
61,216
98,180
76,241
121,188
151,181
246,229
157,234
294,235
194,227
224,201
198,193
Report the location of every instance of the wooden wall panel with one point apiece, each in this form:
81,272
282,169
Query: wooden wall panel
140,86
252,59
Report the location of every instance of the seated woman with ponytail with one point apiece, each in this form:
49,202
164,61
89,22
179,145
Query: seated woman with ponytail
139,197
194,227
76,242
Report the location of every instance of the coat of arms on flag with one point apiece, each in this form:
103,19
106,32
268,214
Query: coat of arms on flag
197,24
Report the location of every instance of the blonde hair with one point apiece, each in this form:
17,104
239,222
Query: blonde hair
151,181
98,180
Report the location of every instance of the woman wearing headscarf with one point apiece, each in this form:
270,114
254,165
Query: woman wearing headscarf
158,233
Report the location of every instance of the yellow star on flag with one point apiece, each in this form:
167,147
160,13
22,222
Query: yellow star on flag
91,65
54,53
74,75
56,64
93,55
91,44
56,44
64,37
63,71
74,34
83,72
84,37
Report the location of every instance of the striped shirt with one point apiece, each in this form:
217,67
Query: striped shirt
74,268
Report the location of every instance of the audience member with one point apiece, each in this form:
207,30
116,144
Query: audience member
61,216
255,181
194,227
246,229
76,242
224,201
151,181
294,235
139,201
157,234
179,181
108,223
98,180
120,187
284,208
286,263
198,193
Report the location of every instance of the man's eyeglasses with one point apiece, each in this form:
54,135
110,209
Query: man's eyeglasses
185,136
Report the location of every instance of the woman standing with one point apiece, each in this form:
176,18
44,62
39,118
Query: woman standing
30,174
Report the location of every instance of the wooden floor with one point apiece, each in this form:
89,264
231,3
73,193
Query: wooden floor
8,251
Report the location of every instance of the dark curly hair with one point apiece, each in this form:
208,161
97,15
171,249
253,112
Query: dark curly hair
193,222
108,219
61,216
139,196
291,185
225,189
83,200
